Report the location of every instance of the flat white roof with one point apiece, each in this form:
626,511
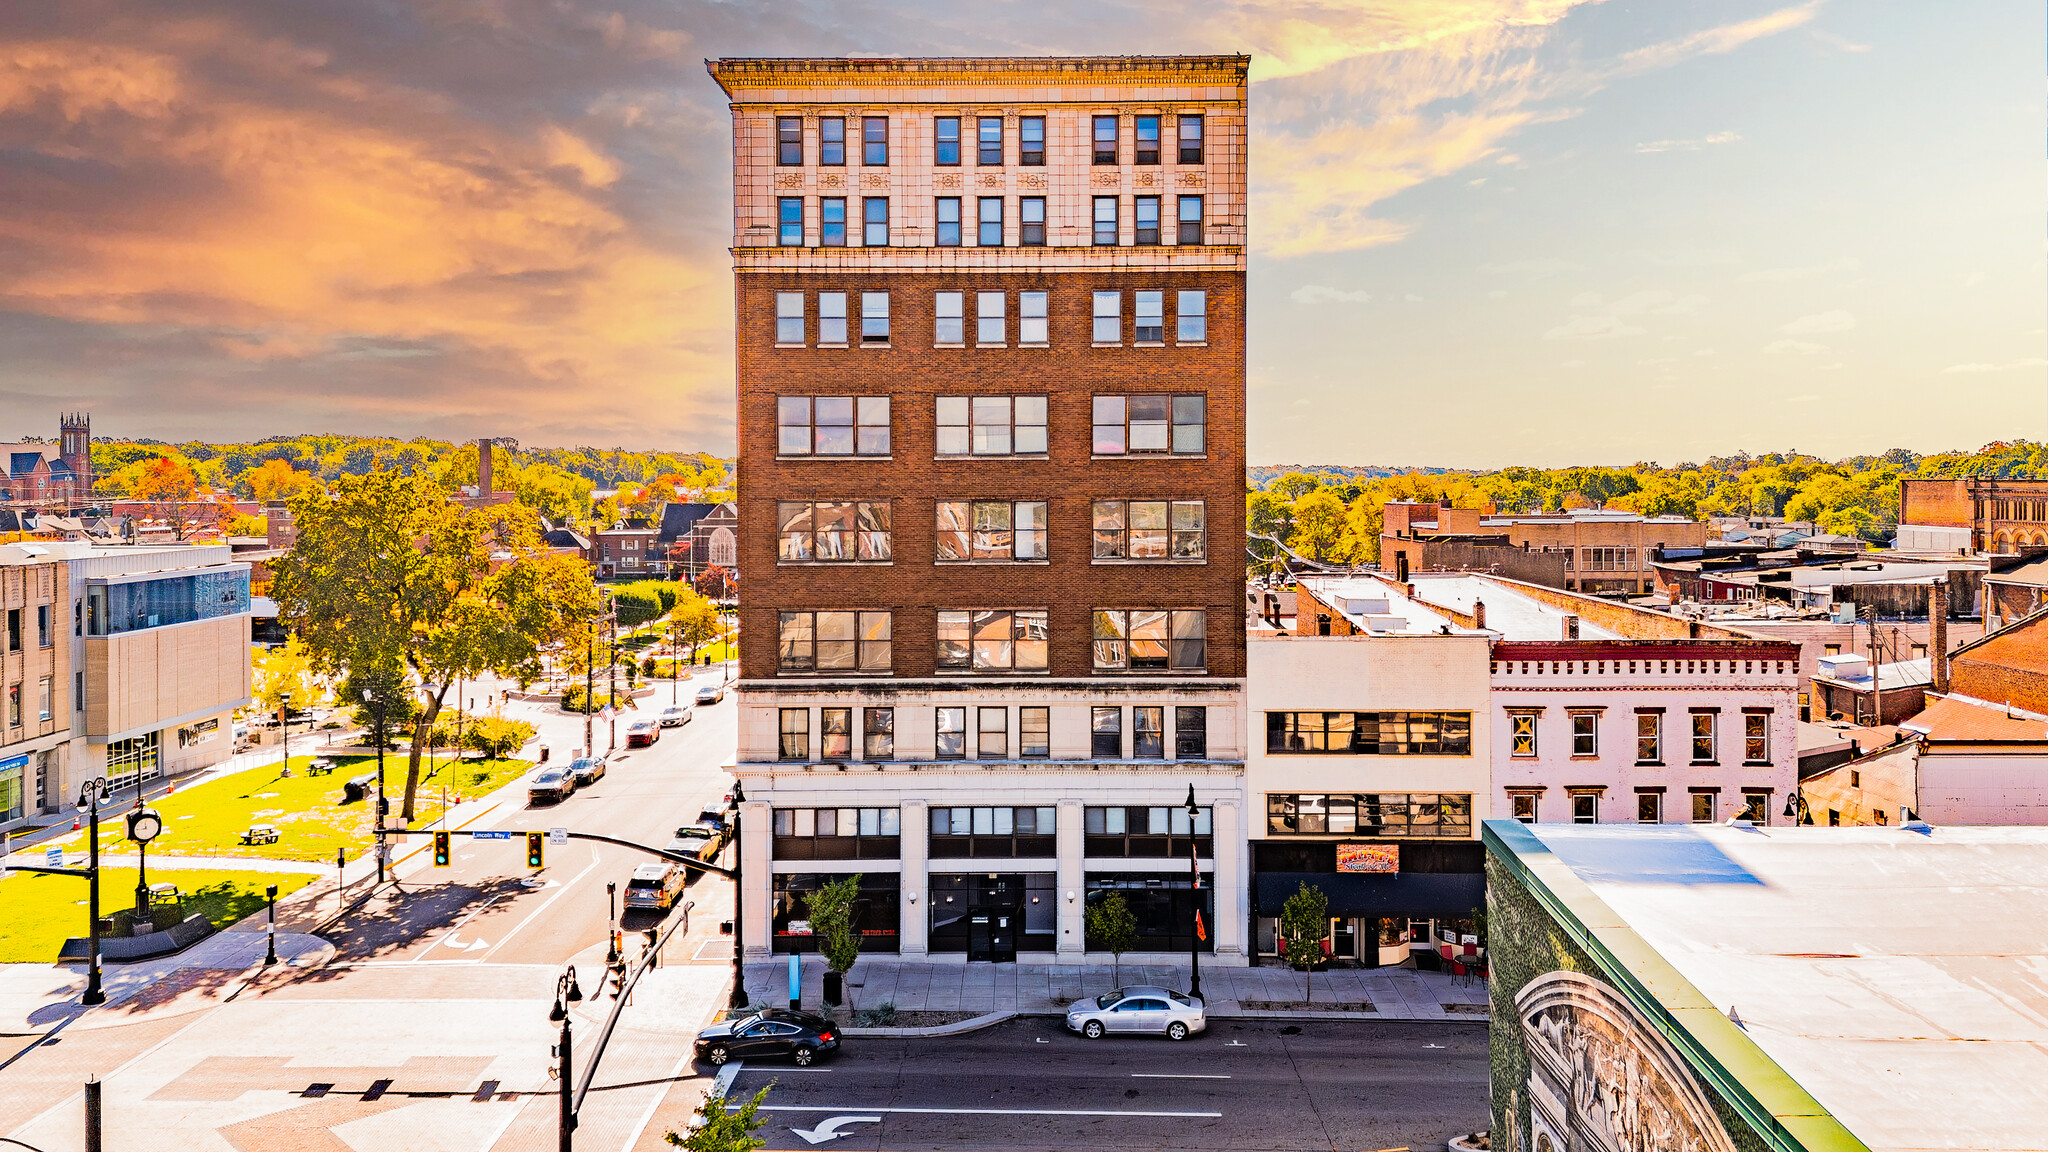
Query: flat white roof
1419,619
1901,978
1508,612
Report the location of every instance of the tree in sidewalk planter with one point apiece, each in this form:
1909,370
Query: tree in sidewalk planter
1304,924
831,910
720,1130
387,573
1112,927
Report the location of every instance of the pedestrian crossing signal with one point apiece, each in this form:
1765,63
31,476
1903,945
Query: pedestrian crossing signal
534,842
441,856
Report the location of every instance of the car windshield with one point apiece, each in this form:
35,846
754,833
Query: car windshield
581,765
548,777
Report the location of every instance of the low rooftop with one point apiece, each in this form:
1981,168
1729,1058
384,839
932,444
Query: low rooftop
1963,719
1508,612
1379,607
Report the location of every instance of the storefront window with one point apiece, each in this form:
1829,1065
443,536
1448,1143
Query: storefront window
11,772
1144,832
997,832
982,914
1164,907
836,833
1369,813
875,914
132,760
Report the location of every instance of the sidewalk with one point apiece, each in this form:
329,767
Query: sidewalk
33,997
1030,988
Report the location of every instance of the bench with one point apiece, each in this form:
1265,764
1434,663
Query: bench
165,893
260,834
320,767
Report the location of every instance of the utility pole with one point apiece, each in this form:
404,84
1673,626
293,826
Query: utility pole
1876,667
589,682
612,690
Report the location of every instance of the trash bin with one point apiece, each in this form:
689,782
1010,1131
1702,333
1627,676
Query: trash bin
543,753
359,788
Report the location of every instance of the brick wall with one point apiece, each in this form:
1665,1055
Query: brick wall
1937,503
1461,555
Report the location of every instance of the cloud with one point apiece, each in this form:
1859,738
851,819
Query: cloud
1319,294
1800,272
1687,145
1535,269
1598,318
2008,366
1794,348
1834,320
1712,41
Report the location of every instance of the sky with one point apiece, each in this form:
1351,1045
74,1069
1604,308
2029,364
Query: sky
1484,232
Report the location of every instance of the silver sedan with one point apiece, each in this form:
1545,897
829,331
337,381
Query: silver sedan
1153,1011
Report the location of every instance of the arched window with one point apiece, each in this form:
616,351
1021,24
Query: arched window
724,549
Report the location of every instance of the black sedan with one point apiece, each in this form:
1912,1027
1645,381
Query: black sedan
776,1032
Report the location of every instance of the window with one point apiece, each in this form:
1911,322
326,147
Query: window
1031,141
1191,733
1148,732
1160,831
833,425
991,733
789,221
1585,808
875,221
796,734
1146,215
1190,220
874,317
1148,139
949,734
946,140
1149,639
1522,729
832,140
1649,808
1105,220
874,140
990,327
1756,808
1703,807
1703,738
836,833
1756,738
14,629
948,323
834,641
1434,814
990,530
835,733
988,133
14,706
1105,139
832,319
789,318
1034,732
946,233
1031,318
1150,326
1138,424
1031,221
993,831
1370,733
833,530
1109,320
832,222
44,636
1149,529
1192,310
1191,139
789,140
1649,738
1524,805
991,425
992,640
878,734
1585,734
1831,650
1106,732
991,218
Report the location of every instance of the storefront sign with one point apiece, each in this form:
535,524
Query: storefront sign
1368,857
198,733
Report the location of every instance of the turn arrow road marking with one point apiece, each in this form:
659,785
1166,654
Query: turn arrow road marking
829,1129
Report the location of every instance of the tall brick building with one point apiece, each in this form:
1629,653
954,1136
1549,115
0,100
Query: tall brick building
991,419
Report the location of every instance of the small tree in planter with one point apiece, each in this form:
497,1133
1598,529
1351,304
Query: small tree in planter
831,909
1112,926
1304,922
719,1130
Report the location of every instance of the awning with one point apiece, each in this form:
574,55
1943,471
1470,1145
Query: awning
1437,894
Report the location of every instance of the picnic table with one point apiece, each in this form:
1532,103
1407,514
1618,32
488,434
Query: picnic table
165,892
260,834
321,766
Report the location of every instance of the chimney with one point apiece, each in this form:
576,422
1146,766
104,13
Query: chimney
1571,627
1479,613
1401,567
1937,634
483,467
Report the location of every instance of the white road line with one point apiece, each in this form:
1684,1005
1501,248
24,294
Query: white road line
1176,1076
453,929
777,1071
979,1111
543,907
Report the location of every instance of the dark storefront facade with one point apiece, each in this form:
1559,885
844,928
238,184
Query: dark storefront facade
876,914
1376,917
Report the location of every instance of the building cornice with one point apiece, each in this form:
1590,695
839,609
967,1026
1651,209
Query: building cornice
741,75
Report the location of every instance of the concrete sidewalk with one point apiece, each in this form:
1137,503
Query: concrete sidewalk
1030,987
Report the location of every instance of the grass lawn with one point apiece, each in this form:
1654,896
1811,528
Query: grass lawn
38,912
311,820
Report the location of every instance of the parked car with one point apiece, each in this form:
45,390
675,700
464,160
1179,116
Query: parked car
694,840
586,770
550,785
710,694
675,716
1149,1010
777,1032
655,885
641,733
716,815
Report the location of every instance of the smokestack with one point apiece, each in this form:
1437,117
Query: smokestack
483,467
1571,627
1479,613
1937,634
1401,567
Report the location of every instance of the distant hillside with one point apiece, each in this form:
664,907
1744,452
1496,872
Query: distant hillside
1261,475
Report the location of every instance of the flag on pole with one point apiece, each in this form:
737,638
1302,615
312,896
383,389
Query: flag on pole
1201,933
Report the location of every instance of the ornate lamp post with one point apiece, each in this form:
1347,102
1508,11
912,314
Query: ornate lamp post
284,720
91,795
1195,887
566,993
144,824
739,918
376,706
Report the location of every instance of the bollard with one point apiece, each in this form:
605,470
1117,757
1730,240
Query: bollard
93,1141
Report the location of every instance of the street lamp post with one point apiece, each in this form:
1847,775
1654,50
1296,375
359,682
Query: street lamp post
143,826
589,680
611,704
376,707
284,721
1195,887
566,993
739,918
675,662
91,795
270,927
611,931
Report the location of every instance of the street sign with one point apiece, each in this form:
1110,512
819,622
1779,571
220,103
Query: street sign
490,835
558,836
53,856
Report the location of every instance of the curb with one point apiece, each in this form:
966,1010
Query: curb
1311,1014
986,1020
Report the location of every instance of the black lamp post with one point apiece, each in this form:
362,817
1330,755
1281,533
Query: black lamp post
284,720
566,993
1796,809
1195,890
739,909
270,928
611,931
91,795
375,703
143,826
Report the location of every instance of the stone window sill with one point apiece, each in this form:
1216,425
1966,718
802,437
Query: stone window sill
1151,456
829,459
1170,560
992,456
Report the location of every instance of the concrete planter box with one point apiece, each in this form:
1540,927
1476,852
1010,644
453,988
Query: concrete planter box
121,949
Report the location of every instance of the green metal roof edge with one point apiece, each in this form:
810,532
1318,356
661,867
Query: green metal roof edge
1782,1113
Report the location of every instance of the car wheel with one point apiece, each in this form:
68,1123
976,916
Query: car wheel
803,1055
1092,1029
719,1054
1176,1031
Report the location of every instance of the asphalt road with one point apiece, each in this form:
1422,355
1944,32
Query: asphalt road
1246,1086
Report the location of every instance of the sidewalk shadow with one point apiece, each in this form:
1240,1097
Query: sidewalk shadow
395,920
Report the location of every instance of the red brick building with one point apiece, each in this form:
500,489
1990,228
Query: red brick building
1975,514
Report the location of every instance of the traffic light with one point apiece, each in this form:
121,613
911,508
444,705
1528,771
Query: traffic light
535,858
618,968
441,856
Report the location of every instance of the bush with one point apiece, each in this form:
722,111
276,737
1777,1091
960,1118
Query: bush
880,1016
497,737
643,600
572,700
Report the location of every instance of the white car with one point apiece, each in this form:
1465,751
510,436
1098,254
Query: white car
676,716
1148,1010
710,694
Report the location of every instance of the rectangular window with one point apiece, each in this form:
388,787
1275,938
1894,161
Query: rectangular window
1191,139
1150,325
1370,733
991,733
834,530
832,140
1105,220
832,318
1649,808
789,317
1105,140
1149,529
1431,814
1649,738
1106,733
789,221
1138,424
1525,806
1585,734
874,140
1146,218
878,734
1522,727
832,425
1149,639
1190,733
832,222
789,140
991,219
1703,738
796,734
946,231
1031,141
874,317
989,325
43,630
1147,130
1585,808
44,697
1703,807
1148,732
1109,321
1192,310
949,318
946,140
1034,732
14,629
1190,220
990,530
1031,221
1031,319
875,221
949,734
988,135
834,641
993,832
992,640
835,733
991,425
1756,808
1756,738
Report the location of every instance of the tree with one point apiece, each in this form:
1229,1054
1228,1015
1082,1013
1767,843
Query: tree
831,910
388,574
720,1130
696,621
1112,927
715,582
165,484
1304,923
1319,527
276,480
286,668
497,737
